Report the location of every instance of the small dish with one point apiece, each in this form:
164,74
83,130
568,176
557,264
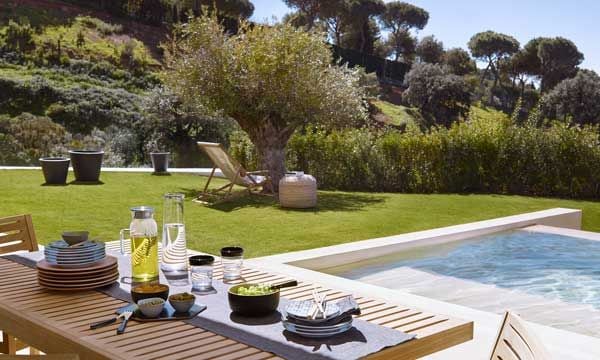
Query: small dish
182,302
151,307
75,237
146,291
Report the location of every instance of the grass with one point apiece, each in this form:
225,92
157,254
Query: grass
398,114
255,223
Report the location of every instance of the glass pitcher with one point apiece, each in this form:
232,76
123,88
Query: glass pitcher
174,254
144,244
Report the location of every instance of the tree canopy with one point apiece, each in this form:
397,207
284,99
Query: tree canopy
576,100
430,50
399,18
492,47
270,79
459,61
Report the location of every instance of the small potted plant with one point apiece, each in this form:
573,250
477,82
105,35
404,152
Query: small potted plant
86,164
55,169
160,161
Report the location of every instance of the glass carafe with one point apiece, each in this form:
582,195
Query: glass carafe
144,244
174,253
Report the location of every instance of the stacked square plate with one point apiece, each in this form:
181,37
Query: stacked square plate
297,319
83,254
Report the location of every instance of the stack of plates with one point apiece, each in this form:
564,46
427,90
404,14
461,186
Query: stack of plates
318,331
298,321
101,273
87,253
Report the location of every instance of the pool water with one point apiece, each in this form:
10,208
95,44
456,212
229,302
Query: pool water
553,266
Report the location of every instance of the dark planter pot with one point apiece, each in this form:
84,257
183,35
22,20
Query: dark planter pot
160,161
86,164
55,169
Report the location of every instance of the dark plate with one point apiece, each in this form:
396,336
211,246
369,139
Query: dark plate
167,314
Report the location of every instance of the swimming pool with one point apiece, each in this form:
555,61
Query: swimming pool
552,279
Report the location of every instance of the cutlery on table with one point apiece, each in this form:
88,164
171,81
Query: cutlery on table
113,320
126,316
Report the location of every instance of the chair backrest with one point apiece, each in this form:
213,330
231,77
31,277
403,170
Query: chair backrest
41,357
16,233
515,342
220,157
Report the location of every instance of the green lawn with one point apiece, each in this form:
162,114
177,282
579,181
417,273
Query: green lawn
255,223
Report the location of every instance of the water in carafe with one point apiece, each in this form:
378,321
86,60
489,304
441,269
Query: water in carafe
174,254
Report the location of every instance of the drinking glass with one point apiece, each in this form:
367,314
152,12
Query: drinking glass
201,270
232,258
125,240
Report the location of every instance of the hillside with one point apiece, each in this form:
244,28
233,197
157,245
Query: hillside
77,73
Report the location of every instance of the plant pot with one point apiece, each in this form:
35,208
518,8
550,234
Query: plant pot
160,161
86,164
55,169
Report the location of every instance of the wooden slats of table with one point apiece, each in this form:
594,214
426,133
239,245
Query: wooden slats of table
59,322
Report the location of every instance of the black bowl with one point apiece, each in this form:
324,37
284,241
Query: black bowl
146,291
252,305
75,237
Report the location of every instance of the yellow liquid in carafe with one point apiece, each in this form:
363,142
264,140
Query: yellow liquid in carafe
144,258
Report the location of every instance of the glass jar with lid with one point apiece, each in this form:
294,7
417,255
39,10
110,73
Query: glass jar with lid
144,244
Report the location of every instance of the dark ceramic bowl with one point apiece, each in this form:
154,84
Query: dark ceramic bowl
252,305
75,237
256,305
147,291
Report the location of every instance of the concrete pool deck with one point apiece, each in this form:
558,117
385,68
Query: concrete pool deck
305,265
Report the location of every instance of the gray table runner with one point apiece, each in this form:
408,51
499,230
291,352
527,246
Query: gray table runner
265,333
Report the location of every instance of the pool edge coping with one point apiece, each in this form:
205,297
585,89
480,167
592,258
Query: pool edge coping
567,344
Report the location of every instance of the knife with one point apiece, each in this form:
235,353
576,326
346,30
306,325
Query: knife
126,315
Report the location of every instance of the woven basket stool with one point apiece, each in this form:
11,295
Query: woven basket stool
298,190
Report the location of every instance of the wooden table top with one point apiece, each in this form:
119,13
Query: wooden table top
58,322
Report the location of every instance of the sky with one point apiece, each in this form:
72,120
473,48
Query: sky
454,22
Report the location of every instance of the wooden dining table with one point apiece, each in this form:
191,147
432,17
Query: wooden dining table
58,322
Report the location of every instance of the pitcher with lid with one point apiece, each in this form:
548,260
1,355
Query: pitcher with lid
144,244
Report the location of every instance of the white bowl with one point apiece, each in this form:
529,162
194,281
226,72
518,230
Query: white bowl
151,310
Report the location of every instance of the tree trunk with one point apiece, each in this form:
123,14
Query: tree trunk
270,142
273,159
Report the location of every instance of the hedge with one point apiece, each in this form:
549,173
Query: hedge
481,155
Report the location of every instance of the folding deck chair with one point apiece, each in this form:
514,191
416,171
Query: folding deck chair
253,181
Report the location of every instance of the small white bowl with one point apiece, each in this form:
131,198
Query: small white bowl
151,310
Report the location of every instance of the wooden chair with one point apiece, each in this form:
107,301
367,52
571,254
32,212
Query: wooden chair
514,342
16,233
253,181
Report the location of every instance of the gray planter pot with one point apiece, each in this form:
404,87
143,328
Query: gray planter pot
55,169
160,161
86,164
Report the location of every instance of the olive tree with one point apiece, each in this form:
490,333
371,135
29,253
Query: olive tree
270,79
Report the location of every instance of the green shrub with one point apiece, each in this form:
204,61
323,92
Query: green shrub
103,27
26,138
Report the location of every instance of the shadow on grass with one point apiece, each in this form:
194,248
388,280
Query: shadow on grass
161,174
327,201
75,182
53,185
